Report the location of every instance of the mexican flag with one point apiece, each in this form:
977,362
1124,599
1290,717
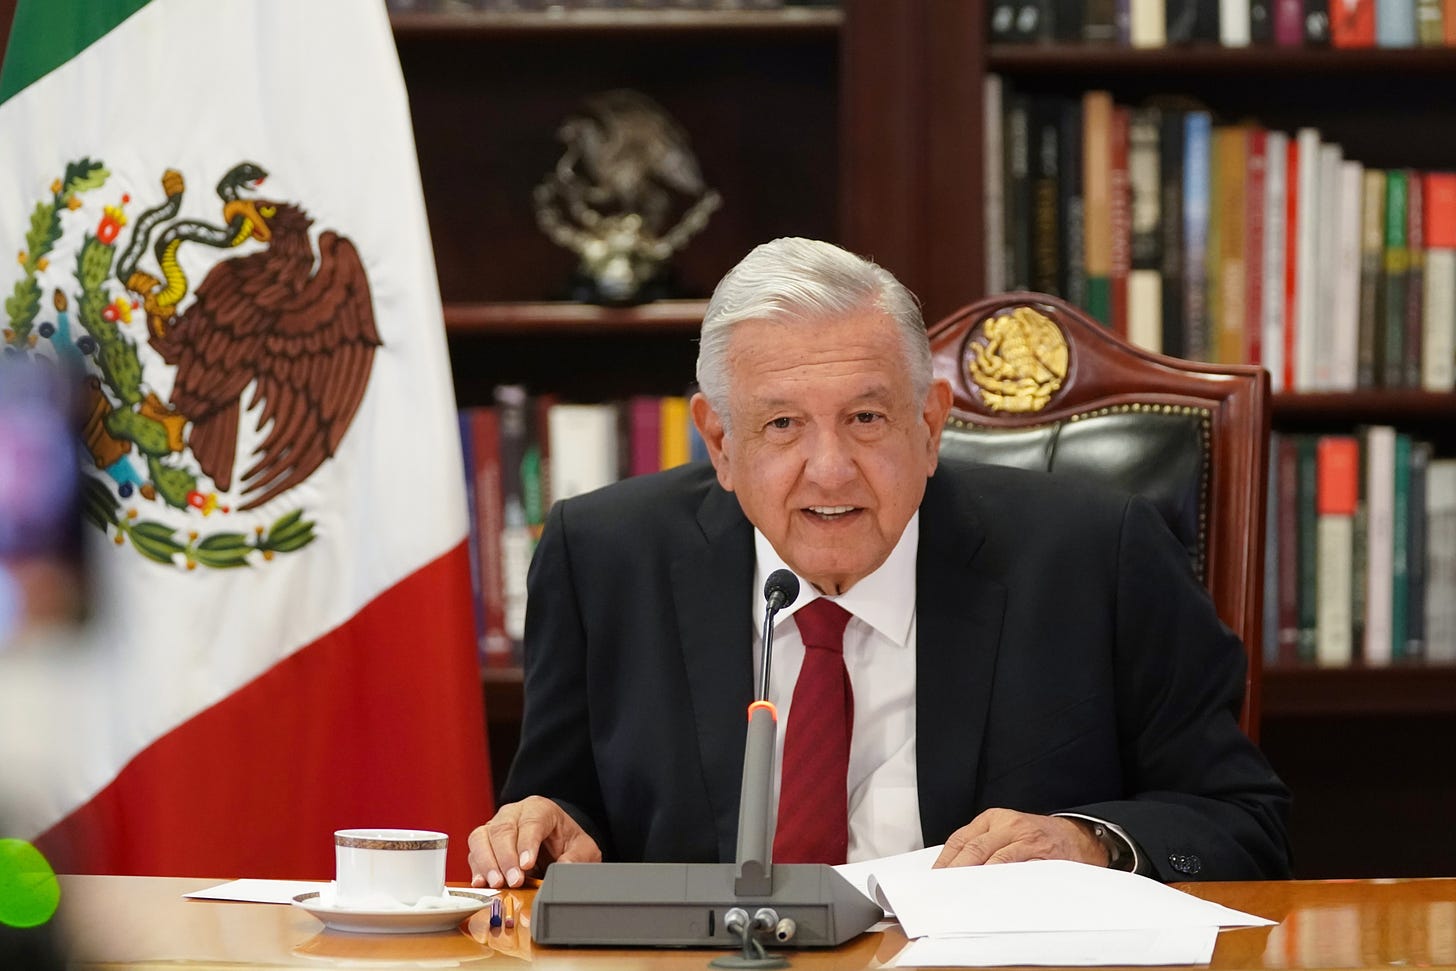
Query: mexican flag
218,218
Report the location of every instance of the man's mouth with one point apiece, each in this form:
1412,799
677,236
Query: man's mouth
831,512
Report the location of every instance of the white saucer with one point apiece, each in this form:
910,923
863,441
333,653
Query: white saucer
395,921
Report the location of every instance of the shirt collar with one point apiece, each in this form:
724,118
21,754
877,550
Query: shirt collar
885,599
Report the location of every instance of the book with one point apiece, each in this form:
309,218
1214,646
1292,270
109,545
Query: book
1338,476
644,421
1197,148
1289,23
1148,26
1256,181
1316,23
1307,447
993,211
1400,547
1287,521
584,453
1270,648
1233,23
1145,277
1415,281
1305,320
1395,23
1344,282
1072,279
1097,208
496,647
1292,203
1448,23
1430,29
1046,222
1261,22
675,447
1396,266
1017,135
1417,551
1380,541
1275,226
1120,199
1438,334
1352,23
1229,299
1326,283
517,544
1370,339
1440,622
1170,221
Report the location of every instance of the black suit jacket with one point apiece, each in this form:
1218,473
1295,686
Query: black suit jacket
1068,661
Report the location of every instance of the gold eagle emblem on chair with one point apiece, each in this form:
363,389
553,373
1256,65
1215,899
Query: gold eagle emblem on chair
1016,360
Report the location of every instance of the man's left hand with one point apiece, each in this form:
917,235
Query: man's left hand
1007,836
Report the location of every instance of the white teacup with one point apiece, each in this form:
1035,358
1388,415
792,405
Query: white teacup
382,866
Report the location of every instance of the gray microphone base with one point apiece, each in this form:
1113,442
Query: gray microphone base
686,904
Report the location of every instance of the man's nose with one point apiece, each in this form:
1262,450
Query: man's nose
830,460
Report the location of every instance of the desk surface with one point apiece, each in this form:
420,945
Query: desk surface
144,922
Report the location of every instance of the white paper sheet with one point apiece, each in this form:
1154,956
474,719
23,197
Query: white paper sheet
1044,895
258,891
1166,945
863,876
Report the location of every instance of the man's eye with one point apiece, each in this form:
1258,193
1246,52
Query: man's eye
780,423
867,417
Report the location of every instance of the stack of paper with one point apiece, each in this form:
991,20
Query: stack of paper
1040,912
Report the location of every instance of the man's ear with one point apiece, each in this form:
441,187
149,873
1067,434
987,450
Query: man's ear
937,409
710,426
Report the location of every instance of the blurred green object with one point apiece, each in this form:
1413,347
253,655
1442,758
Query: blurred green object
29,891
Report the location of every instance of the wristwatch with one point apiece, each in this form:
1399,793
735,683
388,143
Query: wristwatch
1119,855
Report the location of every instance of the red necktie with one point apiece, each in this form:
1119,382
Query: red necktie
813,824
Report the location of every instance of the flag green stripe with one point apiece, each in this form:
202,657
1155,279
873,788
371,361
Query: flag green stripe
47,33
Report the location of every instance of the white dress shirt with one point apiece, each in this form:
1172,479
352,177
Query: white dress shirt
879,652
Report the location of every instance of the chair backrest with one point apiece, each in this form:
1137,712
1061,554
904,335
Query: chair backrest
1039,384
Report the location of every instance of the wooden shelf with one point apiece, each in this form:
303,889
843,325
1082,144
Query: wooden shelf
1359,690
1212,60
566,319
795,20
1393,405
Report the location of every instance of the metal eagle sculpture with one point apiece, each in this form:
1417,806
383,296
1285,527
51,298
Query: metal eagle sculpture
295,325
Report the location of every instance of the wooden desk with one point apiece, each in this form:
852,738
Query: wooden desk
143,922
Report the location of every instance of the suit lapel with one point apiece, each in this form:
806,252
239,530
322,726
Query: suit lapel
959,613
711,584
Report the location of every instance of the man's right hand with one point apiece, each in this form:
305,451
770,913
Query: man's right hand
523,837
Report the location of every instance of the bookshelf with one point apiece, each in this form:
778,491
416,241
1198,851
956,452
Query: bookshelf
863,124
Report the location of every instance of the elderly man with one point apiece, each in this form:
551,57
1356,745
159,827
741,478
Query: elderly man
1014,665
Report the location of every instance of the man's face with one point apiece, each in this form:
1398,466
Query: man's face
830,448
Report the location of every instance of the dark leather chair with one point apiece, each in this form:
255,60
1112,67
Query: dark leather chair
1039,384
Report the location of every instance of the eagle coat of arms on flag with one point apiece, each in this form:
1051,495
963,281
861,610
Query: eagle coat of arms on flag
268,357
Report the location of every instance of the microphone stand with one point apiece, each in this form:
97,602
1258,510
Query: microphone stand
749,903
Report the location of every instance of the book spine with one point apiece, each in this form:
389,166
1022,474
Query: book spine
1289,23
1232,278
994,181
1287,518
1415,286
1379,549
1316,23
1045,219
1345,283
1418,551
1255,192
1441,560
1438,343
516,540
1017,133
1097,191
1145,280
1395,23
1234,23
1338,473
1306,339
1396,266
1261,22
1326,281
1180,20
676,449
1370,340
1400,547
1430,29
1308,545
496,644
1121,217
1276,163
1196,157
1170,222
1352,23
1073,281
1148,28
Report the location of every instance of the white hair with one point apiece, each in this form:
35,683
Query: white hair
812,282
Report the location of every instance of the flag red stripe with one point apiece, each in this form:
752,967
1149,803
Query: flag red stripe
389,704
